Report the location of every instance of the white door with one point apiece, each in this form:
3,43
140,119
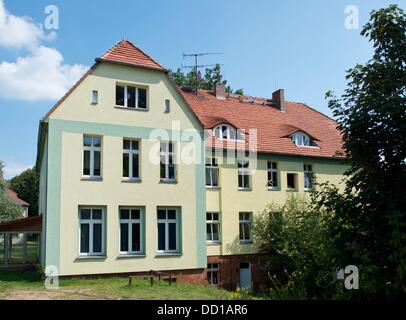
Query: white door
245,275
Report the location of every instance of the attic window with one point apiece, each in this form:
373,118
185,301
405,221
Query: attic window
302,139
95,97
227,132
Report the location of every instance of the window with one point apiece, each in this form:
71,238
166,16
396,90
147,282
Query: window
131,97
213,273
273,182
212,172
245,226
213,226
168,237
131,159
243,174
168,166
225,131
308,176
301,139
91,231
95,97
130,231
291,181
92,156
167,105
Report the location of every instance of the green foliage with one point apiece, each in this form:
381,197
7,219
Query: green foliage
8,210
299,253
369,217
211,77
27,187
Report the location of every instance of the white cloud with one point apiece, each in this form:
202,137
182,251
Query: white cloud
12,169
41,74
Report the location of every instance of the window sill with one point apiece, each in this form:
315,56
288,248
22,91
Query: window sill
133,180
213,243
91,179
291,190
274,189
130,109
244,189
168,254
131,256
309,190
90,257
168,181
213,187
308,147
246,242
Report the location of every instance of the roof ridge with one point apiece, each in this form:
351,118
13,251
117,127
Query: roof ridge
133,45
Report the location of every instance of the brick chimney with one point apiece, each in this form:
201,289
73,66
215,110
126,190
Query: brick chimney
278,98
220,91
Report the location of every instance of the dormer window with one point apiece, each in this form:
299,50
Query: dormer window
227,132
302,139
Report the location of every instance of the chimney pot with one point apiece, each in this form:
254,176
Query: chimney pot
278,98
220,91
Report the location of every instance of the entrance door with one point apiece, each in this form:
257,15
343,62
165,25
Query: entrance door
245,275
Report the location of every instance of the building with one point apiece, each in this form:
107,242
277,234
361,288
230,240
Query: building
19,202
133,174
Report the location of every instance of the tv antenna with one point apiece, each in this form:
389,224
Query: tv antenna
196,66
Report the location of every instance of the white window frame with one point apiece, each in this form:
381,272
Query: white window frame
245,221
212,222
91,222
227,132
301,139
308,177
130,221
136,96
130,153
92,149
245,173
213,267
272,168
167,221
166,154
212,165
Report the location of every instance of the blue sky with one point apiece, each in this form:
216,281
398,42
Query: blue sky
302,46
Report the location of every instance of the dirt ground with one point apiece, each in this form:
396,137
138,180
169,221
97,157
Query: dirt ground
54,294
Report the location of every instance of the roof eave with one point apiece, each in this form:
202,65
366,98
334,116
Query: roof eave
132,65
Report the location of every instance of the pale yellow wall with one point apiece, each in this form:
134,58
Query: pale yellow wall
229,201
104,78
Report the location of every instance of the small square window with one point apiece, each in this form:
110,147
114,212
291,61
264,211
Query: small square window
135,214
291,180
85,214
124,214
167,105
95,97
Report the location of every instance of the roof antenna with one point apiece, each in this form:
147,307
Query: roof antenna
196,66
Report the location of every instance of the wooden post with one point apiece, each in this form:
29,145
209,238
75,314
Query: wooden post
130,281
152,281
170,279
24,248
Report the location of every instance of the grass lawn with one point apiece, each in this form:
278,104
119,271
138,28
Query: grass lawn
28,285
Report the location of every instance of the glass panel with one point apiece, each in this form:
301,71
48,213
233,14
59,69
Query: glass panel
97,142
208,231
171,214
84,238
126,165
291,181
241,232
208,180
124,214
32,247
214,175
97,214
208,216
86,163
240,182
135,144
215,228
215,216
126,144
163,168
123,237
131,97
120,95
136,237
135,214
135,166
84,214
241,216
97,161
171,173
87,141
142,98
161,214
161,236
97,238
172,236
246,231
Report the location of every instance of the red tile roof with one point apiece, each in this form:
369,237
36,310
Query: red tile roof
273,126
128,53
14,197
